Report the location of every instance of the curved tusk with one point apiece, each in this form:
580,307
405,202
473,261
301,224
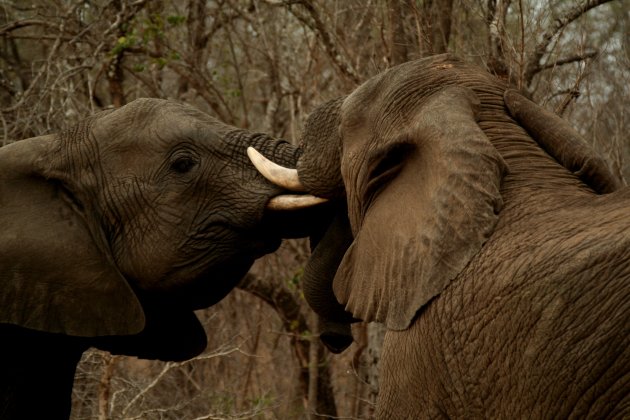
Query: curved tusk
279,175
294,202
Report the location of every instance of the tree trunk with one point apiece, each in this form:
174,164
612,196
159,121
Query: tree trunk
315,374
313,369
104,386
397,40
495,18
375,336
437,25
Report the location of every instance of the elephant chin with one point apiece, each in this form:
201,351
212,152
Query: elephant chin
301,223
199,288
213,286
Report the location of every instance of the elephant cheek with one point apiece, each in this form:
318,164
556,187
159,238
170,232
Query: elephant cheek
147,274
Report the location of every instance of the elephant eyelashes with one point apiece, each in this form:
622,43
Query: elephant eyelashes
69,197
384,165
183,164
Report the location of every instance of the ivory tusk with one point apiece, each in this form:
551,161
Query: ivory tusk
279,175
294,202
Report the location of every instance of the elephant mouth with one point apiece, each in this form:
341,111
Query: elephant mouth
291,213
298,223
294,196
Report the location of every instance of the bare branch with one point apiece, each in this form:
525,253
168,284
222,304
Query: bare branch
437,22
40,73
572,59
534,64
205,88
495,18
397,47
239,78
316,24
169,366
23,24
521,49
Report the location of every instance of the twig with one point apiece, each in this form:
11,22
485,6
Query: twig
5,130
239,78
173,365
42,70
568,60
521,64
318,27
23,24
534,65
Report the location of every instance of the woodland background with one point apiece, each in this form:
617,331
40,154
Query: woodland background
264,65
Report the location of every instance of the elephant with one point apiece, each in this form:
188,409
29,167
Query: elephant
113,231
484,233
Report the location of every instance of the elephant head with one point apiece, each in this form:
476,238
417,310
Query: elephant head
129,221
414,154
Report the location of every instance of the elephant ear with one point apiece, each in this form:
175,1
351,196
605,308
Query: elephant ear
54,277
561,141
420,209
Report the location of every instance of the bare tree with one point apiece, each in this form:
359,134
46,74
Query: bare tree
264,65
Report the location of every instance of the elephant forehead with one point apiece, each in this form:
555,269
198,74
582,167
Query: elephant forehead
136,114
387,103
146,135
149,116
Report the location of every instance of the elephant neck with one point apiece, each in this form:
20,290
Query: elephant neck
534,178
37,367
530,167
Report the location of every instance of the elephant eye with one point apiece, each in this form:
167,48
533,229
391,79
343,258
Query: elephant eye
183,164
389,160
384,166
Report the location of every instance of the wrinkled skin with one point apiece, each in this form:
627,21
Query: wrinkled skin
114,231
486,235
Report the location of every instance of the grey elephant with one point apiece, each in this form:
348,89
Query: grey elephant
114,231
487,237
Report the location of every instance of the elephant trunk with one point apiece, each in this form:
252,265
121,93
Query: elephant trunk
336,336
560,140
319,166
237,141
318,163
286,178
318,278
278,150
